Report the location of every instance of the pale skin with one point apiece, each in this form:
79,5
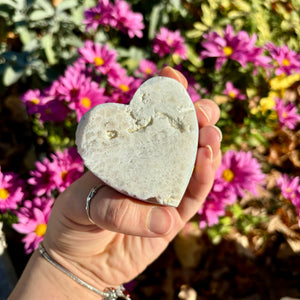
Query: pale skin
128,235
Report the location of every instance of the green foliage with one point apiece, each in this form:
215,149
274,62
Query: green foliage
46,38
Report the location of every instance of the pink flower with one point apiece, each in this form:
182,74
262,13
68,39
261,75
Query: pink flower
124,87
286,61
127,21
32,221
99,15
118,16
68,167
57,173
11,191
33,99
169,42
146,69
42,178
287,114
89,96
99,56
240,47
289,187
70,84
233,92
239,172
213,208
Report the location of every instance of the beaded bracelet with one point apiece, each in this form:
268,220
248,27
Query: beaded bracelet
107,294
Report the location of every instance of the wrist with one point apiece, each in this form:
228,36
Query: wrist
108,293
74,273
41,280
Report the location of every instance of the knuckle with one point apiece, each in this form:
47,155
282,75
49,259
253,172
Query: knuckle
116,213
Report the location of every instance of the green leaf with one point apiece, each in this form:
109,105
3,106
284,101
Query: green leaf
45,6
66,4
39,15
48,43
155,17
25,35
11,76
9,3
237,211
208,15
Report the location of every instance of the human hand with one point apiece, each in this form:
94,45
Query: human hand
129,234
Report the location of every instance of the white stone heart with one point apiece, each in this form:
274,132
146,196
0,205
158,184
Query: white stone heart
146,149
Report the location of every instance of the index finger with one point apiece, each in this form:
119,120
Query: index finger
172,73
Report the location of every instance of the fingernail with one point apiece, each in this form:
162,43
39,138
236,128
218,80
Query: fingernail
210,152
159,220
175,73
206,111
219,132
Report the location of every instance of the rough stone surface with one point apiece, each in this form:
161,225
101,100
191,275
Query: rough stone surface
146,149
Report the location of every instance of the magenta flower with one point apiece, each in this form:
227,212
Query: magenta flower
71,83
43,178
68,167
128,22
212,209
89,96
286,61
99,56
239,172
169,42
124,87
240,47
99,15
32,221
289,187
146,69
118,16
11,191
55,111
57,173
287,114
33,99
233,92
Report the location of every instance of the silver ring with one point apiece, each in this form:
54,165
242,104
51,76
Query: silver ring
90,196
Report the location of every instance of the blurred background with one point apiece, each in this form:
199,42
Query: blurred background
59,59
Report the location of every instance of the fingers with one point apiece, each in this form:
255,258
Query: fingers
172,73
207,161
113,211
207,111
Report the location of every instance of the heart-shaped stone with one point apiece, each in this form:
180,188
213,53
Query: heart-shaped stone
146,149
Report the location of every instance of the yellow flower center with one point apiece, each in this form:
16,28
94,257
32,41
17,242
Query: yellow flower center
86,102
232,94
124,87
169,41
148,71
227,50
228,175
284,114
35,101
286,62
98,61
40,230
288,190
63,175
4,194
